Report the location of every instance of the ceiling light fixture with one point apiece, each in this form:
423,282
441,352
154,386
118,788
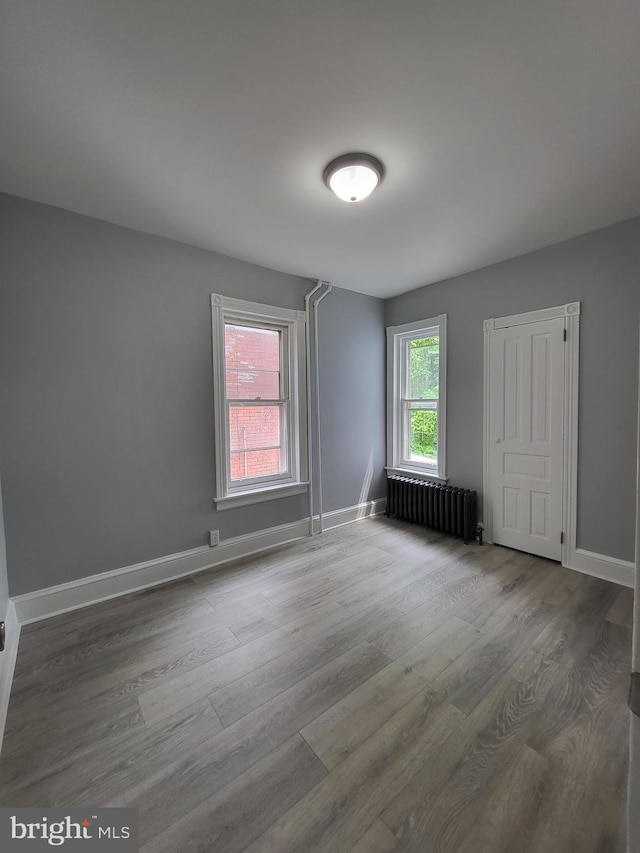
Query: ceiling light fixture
353,177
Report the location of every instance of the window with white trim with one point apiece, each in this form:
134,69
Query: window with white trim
416,379
259,389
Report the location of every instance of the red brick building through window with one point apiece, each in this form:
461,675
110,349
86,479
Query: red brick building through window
253,375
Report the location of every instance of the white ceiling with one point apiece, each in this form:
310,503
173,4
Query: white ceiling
504,125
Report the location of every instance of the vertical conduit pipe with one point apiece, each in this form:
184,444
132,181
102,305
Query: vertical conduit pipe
317,370
309,399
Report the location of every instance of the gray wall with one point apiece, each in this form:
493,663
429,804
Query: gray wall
106,435
602,271
352,398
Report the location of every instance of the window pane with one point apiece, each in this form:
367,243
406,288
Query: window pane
252,362
257,463
423,435
252,427
245,384
423,369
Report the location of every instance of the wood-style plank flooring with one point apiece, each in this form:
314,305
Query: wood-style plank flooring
376,689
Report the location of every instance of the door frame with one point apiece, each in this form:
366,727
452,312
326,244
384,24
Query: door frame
633,789
571,315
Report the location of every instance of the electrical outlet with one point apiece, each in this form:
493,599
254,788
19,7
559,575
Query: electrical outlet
214,538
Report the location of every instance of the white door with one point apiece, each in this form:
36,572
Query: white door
633,796
526,387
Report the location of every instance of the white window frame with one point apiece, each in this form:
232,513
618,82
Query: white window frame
292,325
397,340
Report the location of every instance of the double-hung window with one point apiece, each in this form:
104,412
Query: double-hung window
416,374
259,401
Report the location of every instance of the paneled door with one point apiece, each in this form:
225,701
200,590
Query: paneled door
633,792
525,422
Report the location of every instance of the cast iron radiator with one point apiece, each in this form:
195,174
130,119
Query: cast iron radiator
444,508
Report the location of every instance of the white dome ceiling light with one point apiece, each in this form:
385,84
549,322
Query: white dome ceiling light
353,177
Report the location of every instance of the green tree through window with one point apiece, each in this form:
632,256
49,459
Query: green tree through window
424,368
424,434
424,372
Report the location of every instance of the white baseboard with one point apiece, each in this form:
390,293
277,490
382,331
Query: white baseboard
44,603
347,515
600,566
8,663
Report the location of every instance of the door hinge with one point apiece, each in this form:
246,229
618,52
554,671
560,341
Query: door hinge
564,334
562,538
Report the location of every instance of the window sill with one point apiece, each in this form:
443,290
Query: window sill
255,496
416,474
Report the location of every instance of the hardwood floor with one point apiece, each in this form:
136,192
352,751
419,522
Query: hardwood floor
377,689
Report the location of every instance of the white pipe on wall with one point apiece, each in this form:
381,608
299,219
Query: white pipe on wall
313,372
307,299
317,369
